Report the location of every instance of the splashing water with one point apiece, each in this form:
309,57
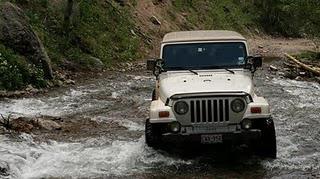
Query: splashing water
92,158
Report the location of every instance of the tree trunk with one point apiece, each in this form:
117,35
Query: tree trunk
302,65
68,15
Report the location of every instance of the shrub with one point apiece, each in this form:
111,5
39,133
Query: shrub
15,72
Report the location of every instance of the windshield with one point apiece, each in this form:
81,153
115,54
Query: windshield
204,55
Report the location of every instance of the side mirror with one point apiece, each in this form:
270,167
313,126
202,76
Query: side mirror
257,62
254,62
151,64
155,65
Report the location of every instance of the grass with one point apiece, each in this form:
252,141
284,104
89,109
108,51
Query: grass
207,14
15,72
310,56
97,30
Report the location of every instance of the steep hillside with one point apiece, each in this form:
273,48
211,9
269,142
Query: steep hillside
82,35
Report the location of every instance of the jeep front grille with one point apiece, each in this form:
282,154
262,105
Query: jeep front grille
209,111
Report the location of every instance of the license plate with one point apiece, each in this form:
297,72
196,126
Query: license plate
211,139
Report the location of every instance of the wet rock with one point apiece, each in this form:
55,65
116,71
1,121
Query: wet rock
96,62
286,69
22,124
299,78
155,20
27,125
16,33
50,84
4,168
70,82
48,124
281,73
273,68
31,89
58,83
302,73
290,75
2,130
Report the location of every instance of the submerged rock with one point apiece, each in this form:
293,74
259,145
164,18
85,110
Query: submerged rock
16,33
22,124
48,124
28,125
4,168
2,130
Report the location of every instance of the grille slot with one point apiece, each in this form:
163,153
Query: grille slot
209,111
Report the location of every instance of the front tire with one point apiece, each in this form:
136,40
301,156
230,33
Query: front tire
154,96
267,147
152,135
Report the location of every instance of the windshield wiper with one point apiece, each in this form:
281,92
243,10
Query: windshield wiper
230,71
183,68
194,72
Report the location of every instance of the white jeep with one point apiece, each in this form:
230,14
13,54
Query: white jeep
204,93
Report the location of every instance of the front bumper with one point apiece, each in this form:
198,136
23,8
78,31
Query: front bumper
238,137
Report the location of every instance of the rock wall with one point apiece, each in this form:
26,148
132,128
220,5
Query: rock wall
16,33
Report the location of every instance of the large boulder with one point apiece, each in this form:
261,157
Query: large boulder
16,33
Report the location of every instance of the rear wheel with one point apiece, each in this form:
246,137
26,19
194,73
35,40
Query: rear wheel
152,135
267,147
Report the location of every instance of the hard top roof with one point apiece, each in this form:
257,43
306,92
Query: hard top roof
203,35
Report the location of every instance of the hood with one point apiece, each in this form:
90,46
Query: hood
186,83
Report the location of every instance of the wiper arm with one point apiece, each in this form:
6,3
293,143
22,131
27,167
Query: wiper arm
184,68
230,71
194,72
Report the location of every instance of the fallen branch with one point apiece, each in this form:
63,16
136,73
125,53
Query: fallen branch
302,65
5,122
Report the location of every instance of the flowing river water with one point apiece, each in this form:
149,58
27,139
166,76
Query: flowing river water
124,98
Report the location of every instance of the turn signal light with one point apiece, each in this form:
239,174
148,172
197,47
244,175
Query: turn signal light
255,109
163,114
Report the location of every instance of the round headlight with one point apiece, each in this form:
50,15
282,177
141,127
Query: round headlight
237,105
181,107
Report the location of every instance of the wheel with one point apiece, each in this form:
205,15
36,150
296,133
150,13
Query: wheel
152,135
154,97
267,147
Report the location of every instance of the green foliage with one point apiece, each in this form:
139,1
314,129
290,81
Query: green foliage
310,56
290,17
97,29
15,72
294,18
104,32
217,14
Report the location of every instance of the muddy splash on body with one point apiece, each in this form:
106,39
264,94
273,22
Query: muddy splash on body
124,99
